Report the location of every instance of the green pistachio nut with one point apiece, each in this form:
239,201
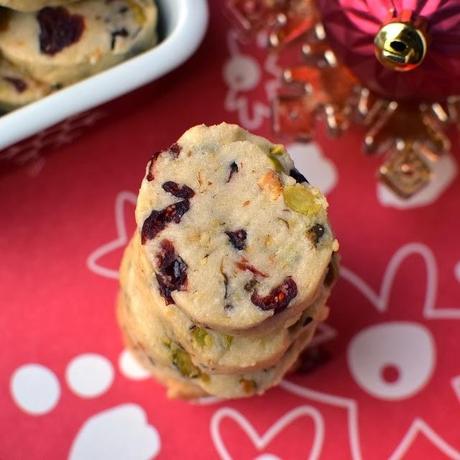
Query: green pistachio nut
201,337
183,362
301,199
228,339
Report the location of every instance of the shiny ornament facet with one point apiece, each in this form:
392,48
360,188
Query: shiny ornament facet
400,46
353,25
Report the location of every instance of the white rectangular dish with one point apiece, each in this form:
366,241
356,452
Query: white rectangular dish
183,25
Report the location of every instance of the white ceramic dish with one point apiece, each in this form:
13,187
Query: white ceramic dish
183,24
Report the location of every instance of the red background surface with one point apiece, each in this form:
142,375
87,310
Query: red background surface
57,212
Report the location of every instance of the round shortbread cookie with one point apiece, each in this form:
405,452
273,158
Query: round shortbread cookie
32,5
17,88
61,45
234,233
212,351
180,374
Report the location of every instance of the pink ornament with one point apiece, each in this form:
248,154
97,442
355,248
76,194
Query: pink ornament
352,26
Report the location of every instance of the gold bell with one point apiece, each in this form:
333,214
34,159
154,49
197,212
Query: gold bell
400,46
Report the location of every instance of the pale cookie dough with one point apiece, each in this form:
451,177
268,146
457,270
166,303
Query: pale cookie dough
32,5
209,350
61,45
236,236
17,88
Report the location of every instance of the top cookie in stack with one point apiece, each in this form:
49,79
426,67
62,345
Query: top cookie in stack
233,239
54,43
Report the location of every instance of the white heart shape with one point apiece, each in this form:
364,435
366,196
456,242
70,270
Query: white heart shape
120,241
261,442
380,299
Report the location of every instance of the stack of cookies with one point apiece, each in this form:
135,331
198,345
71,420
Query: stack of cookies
48,44
228,273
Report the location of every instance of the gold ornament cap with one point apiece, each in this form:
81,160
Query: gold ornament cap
400,46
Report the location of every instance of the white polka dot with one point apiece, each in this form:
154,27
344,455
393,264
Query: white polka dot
89,375
35,389
130,368
267,457
407,349
457,271
314,165
119,433
242,73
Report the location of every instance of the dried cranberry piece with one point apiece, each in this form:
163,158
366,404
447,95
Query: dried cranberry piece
243,264
181,191
312,358
173,271
117,33
158,220
58,29
316,233
151,164
174,150
278,298
19,85
237,238
233,169
298,176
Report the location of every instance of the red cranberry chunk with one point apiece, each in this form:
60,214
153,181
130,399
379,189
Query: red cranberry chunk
172,274
278,298
19,85
175,149
316,233
158,220
243,264
312,358
237,238
298,176
58,29
152,161
233,169
180,191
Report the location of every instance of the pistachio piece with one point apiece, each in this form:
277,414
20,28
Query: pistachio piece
302,200
276,163
167,343
201,337
182,361
277,149
228,339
